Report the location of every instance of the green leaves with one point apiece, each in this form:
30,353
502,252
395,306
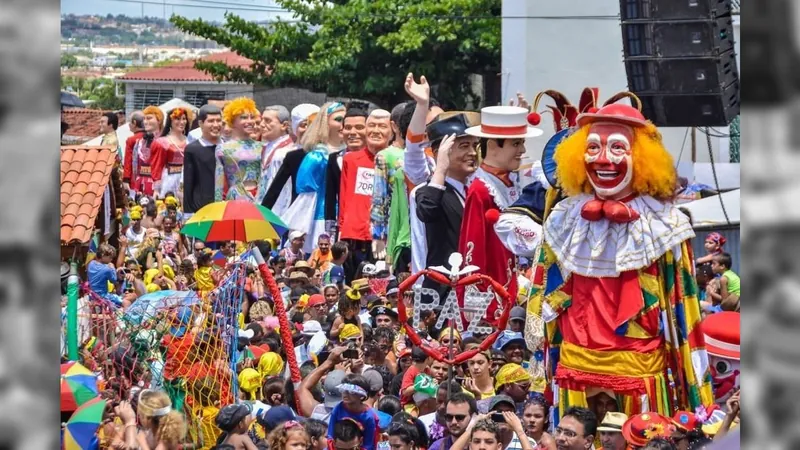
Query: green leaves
363,48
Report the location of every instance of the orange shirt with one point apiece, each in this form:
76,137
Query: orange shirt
319,261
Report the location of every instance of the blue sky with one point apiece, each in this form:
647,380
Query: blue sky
204,9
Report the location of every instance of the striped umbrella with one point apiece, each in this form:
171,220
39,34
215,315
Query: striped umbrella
234,220
81,430
78,385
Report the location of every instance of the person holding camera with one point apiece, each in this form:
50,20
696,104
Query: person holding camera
499,430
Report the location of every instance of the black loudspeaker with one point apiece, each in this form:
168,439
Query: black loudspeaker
680,60
674,9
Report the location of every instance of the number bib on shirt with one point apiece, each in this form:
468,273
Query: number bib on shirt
364,181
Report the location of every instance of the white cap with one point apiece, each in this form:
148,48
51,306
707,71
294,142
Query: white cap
311,327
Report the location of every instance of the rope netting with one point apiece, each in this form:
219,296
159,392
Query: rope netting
171,340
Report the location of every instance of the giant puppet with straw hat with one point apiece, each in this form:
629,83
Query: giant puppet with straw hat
502,133
618,292
519,226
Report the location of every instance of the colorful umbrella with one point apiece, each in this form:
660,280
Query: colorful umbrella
234,220
78,386
81,430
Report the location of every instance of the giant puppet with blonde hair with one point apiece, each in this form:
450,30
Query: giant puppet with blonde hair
307,169
238,173
618,292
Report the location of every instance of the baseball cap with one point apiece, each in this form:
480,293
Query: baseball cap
374,379
337,274
499,399
311,327
509,337
295,234
331,388
230,416
517,313
276,416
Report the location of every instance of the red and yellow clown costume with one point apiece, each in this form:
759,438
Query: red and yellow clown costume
614,282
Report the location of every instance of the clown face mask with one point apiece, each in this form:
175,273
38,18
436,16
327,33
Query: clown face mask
609,164
724,377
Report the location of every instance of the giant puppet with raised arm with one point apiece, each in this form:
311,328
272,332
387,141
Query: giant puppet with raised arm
618,289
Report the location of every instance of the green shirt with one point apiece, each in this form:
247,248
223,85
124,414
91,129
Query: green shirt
734,284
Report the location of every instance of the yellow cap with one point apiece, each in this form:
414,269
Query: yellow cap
349,331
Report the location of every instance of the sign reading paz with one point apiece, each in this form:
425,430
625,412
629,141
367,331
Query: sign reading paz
474,305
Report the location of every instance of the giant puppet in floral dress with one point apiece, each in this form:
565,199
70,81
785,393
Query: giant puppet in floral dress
618,292
238,174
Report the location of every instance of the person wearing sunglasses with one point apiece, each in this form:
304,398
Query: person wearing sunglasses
460,410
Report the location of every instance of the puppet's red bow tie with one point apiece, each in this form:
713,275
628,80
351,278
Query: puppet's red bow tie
613,210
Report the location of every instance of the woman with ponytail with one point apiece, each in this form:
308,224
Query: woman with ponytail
162,428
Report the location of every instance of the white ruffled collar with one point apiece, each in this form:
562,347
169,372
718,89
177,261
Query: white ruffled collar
603,248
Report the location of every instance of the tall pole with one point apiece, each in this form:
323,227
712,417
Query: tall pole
72,312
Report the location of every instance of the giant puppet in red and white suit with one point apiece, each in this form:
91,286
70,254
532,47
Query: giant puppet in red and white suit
618,291
503,131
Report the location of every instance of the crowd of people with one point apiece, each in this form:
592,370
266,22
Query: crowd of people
370,196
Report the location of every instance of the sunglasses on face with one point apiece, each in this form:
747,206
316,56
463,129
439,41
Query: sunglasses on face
457,417
567,433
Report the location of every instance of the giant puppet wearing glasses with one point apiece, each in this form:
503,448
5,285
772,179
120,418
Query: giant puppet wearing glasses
619,293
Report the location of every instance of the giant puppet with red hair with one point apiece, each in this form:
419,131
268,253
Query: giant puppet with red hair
615,276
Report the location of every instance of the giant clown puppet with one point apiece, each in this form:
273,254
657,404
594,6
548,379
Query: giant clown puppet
618,293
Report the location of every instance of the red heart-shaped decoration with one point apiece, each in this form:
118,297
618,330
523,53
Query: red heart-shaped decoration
507,302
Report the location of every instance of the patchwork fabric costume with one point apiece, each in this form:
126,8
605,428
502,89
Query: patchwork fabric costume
615,277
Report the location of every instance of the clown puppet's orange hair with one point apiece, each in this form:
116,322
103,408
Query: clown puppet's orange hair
653,168
238,107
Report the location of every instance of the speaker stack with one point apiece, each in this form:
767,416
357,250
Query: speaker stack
680,60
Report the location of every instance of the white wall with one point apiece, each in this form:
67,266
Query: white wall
569,54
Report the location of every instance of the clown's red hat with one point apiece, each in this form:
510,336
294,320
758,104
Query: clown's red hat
614,112
722,332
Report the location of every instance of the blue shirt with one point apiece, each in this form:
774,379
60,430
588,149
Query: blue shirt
99,275
368,419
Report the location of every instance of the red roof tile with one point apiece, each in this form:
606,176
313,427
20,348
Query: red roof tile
84,124
85,172
185,71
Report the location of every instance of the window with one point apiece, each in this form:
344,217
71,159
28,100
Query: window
143,98
200,98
